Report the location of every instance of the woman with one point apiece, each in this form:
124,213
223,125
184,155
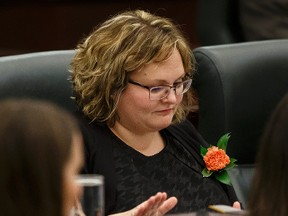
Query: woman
132,78
269,189
40,154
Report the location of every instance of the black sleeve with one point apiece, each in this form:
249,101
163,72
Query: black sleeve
98,155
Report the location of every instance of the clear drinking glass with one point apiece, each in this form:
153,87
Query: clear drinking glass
92,197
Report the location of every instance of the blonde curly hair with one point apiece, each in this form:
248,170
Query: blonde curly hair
119,46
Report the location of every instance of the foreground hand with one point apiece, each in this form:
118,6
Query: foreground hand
156,205
237,205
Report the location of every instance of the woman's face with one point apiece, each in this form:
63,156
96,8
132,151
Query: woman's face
136,111
72,168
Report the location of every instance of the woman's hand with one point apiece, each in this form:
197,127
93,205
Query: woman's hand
237,205
156,205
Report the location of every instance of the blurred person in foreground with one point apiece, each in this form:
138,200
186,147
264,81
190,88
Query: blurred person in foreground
269,189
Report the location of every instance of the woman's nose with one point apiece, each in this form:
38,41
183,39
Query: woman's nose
171,97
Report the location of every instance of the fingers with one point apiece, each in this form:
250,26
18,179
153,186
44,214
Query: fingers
167,205
237,205
156,205
149,205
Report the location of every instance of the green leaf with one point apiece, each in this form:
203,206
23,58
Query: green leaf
223,141
206,173
203,151
223,177
233,160
230,166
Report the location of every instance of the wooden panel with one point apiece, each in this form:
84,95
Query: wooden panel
54,25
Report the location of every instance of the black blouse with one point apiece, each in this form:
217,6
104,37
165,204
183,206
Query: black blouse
172,170
131,178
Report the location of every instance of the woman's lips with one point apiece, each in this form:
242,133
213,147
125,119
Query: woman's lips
166,111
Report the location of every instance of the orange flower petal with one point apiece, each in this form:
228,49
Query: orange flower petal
216,159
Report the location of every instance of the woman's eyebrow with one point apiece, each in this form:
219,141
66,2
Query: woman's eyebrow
165,81
180,77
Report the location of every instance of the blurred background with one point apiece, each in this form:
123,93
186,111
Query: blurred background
41,25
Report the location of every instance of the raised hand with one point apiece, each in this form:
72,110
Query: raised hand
156,205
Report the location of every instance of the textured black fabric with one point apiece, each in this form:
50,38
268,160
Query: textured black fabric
188,136
132,177
173,170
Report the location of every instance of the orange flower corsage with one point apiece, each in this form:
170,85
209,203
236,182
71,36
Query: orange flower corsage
216,160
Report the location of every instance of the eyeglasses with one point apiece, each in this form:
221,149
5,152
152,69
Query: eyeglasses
160,92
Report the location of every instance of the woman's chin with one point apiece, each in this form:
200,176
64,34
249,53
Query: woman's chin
160,125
